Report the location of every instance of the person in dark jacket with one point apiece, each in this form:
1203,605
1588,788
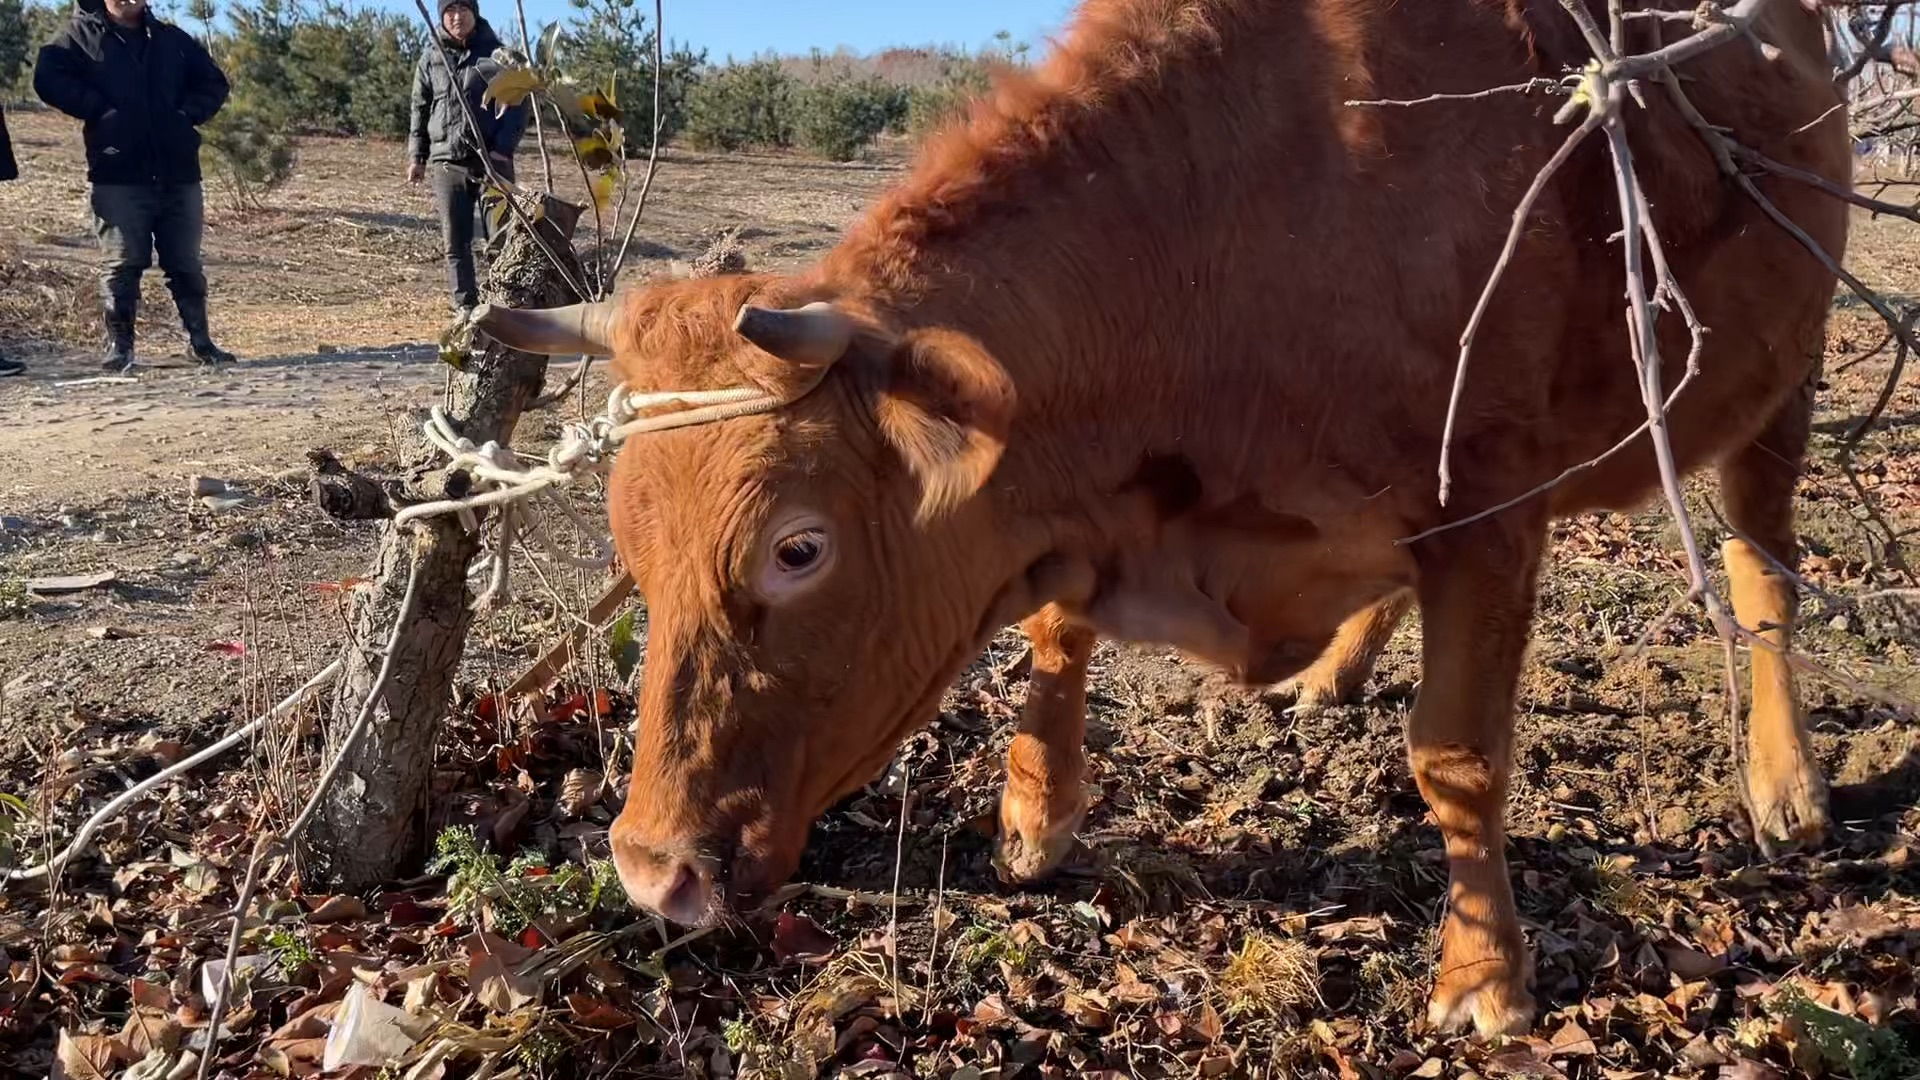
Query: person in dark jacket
141,88
441,143
8,171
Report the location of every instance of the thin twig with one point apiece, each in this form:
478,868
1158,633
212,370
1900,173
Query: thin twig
1541,489
899,858
1908,94
1530,86
1738,20
599,227
933,950
1644,341
273,843
1860,288
1887,388
1821,183
539,129
1807,666
573,380
107,813
653,151
1520,215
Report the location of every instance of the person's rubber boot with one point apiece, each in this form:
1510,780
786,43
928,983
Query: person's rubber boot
208,354
193,319
122,305
119,357
11,367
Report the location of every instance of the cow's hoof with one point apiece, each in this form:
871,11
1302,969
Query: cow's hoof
1788,801
1031,850
1306,697
1493,1006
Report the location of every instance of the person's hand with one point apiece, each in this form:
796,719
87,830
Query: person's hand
416,172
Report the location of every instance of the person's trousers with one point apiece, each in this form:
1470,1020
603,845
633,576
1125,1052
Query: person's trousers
132,222
456,194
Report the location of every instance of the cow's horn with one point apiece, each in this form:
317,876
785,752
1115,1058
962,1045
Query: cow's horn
562,331
815,334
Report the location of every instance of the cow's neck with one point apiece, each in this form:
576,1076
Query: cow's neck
1091,226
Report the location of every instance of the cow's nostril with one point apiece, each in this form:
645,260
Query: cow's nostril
683,894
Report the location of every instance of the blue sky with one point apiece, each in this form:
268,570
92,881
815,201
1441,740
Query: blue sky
746,27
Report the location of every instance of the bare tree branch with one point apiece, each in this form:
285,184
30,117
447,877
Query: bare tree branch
1531,86
653,152
1514,231
1815,180
539,129
1730,23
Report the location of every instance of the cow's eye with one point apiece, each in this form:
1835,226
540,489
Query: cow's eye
799,552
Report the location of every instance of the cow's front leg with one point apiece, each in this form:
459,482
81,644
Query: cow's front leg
1476,594
1044,801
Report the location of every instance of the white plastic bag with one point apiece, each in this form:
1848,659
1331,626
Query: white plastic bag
366,1032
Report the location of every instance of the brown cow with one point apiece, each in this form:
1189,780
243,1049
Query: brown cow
1156,345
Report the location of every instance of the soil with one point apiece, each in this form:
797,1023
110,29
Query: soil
1257,894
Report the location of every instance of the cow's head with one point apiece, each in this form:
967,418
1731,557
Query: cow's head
814,576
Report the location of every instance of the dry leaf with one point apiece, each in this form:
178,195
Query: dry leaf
1572,1040
311,1024
1347,1071
580,791
490,972
339,909
1090,1010
84,1057
1130,990
1209,1026
147,1030
597,1013
1690,964
796,937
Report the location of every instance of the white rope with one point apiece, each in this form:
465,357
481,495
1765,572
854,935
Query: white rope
583,450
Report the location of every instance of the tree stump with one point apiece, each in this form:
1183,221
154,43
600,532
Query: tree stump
372,824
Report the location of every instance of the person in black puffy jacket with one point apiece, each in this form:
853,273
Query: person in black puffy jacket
8,171
141,88
441,141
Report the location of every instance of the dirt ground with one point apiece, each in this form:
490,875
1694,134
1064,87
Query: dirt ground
1258,892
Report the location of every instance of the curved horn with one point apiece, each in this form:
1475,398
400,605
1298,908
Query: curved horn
818,333
562,331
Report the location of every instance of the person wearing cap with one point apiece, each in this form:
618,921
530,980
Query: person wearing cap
441,143
141,88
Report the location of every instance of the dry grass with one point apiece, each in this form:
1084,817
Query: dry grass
1267,976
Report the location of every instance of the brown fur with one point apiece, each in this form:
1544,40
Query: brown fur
1159,339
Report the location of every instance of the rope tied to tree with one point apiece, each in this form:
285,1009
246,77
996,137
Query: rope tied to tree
585,449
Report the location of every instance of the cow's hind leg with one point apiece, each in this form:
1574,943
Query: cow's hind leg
1476,597
1045,801
1785,791
1349,660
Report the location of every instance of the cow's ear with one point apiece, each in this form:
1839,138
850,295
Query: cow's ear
946,406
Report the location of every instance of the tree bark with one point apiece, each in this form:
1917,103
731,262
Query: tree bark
372,825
